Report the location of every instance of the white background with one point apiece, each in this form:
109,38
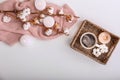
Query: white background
48,60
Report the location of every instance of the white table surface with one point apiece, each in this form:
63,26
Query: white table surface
49,60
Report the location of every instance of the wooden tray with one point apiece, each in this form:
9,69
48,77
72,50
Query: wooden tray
87,26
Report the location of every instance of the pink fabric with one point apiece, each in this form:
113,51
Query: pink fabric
10,33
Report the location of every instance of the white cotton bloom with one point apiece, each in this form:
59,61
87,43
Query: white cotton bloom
103,48
50,10
6,19
96,52
66,31
26,26
22,15
61,12
26,11
48,32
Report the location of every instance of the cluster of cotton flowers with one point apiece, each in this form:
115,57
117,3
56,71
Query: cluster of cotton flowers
23,14
6,19
100,50
47,20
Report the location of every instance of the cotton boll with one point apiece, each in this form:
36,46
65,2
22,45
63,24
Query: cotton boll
6,19
48,32
61,12
50,10
26,11
26,26
22,15
66,31
96,52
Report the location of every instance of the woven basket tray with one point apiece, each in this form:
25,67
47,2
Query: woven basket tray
87,26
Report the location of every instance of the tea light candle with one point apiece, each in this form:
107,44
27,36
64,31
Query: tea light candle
48,22
104,37
40,4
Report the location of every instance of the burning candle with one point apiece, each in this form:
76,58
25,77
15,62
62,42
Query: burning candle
104,37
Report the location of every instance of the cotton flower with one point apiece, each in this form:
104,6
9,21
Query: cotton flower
6,19
61,12
96,52
26,11
22,15
48,32
50,10
26,26
66,31
103,48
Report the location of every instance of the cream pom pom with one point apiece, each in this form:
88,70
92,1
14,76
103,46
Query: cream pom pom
27,40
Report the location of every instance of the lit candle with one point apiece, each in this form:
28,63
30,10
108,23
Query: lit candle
104,37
